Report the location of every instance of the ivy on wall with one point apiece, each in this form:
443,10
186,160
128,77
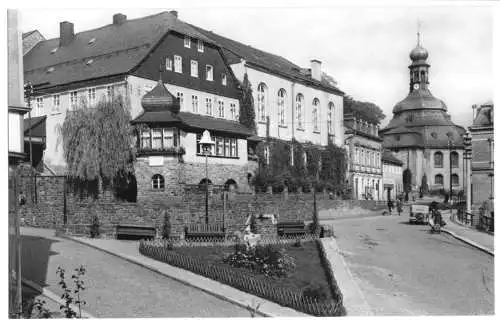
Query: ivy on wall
247,112
313,166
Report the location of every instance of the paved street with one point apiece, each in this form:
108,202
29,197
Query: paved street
116,288
405,270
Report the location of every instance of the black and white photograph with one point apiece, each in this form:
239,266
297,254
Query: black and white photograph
250,159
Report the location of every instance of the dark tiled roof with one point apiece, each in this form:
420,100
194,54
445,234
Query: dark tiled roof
116,50
28,33
193,121
234,50
389,157
37,126
484,116
419,100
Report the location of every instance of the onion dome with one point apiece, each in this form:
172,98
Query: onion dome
159,98
419,53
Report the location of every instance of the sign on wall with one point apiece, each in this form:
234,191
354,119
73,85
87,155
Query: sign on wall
155,160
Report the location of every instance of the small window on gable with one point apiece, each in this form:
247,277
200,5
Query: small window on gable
201,47
194,68
178,64
210,73
187,41
168,64
157,182
224,79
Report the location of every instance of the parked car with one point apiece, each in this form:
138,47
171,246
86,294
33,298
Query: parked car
419,213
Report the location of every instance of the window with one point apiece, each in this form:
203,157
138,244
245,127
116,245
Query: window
224,79
39,106
455,180
329,119
438,159
281,106
157,138
168,64
210,73
219,146
157,182
454,159
91,95
56,103
226,147
187,41
234,147
73,99
261,102
201,47
208,106
194,68
438,179
232,111
267,154
110,92
180,96
146,139
300,114
315,115
356,155
194,102
220,111
177,64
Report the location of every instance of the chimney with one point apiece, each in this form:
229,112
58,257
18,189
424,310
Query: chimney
174,13
316,69
119,19
67,33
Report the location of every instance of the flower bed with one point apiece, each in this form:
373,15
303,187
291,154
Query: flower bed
298,290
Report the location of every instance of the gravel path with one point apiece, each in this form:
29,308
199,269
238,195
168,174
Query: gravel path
117,288
405,270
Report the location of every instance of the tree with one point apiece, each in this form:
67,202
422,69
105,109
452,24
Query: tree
97,142
247,110
407,182
333,167
365,110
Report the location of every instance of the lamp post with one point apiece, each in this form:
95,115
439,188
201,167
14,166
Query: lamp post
451,169
467,178
206,142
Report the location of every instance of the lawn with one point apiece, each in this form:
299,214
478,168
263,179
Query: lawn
309,268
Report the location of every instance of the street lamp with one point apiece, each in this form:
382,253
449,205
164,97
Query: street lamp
206,142
467,180
451,167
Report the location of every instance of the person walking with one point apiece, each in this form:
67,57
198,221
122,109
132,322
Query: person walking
399,206
389,206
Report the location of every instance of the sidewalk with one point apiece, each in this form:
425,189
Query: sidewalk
129,251
480,240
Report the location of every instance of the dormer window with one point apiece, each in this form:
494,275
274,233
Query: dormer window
90,61
50,70
53,51
92,41
201,46
187,41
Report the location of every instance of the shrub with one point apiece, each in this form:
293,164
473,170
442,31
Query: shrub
167,226
315,291
95,227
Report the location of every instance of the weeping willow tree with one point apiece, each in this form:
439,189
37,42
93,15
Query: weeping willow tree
97,145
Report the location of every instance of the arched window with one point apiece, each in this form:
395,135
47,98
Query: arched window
454,159
422,76
438,159
356,156
329,120
299,109
261,102
157,182
315,115
438,179
455,180
281,106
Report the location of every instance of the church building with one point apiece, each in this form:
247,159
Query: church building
421,133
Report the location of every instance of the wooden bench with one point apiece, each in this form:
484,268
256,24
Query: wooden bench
204,231
136,231
291,228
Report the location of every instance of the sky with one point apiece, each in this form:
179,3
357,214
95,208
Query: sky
364,48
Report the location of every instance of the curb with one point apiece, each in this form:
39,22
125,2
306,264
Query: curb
452,219
346,282
469,242
47,293
213,292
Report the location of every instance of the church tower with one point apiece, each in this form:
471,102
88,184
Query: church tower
419,69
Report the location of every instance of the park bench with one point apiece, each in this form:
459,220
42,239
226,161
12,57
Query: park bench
204,231
291,228
135,231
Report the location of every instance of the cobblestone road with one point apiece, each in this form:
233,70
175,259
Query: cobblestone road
117,288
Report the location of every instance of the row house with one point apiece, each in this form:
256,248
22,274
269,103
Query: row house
364,148
392,175
128,57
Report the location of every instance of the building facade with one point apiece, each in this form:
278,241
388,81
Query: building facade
290,102
364,148
392,175
482,172
422,135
